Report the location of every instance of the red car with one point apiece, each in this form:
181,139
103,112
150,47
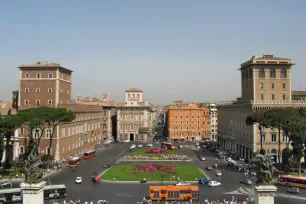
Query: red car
95,179
216,166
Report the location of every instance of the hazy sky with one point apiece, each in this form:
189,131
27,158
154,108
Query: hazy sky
172,49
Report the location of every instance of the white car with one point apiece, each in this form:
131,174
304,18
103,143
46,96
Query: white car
149,145
140,145
183,184
78,180
133,146
214,183
126,141
203,159
219,173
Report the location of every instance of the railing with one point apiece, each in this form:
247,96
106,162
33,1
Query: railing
280,102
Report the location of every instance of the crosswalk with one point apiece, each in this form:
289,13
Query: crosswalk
249,191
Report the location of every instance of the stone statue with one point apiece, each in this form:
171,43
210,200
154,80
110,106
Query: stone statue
265,171
33,174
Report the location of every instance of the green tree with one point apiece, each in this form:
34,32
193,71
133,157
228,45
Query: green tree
1,148
258,118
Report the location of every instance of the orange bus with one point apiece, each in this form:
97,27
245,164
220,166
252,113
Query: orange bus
292,181
167,145
74,162
174,193
89,154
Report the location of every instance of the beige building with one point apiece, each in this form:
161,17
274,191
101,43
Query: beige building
5,106
265,83
135,117
213,115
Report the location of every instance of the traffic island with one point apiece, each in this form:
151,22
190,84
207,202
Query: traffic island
153,173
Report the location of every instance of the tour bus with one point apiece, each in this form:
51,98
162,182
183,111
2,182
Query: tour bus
55,191
167,145
89,154
292,181
174,193
74,162
10,195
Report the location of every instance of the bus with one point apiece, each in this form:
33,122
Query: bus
11,195
74,162
174,193
292,181
89,154
167,145
55,191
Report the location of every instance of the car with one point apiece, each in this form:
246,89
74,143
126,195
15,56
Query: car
247,181
203,181
203,159
216,166
106,166
6,184
133,146
140,145
183,184
209,168
149,145
214,183
78,180
293,190
219,173
126,141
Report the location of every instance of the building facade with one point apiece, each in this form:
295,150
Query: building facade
135,117
265,84
213,114
188,122
44,84
298,95
5,107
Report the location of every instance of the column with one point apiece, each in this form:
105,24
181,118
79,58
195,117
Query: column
265,194
32,193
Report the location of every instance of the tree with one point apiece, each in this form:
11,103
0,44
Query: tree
7,127
1,148
279,118
258,118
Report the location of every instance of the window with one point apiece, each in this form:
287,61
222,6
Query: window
38,76
27,90
63,149
63,132
26,102
49,102
38,102
49,150
284,85
50,75
273,137
284,73
27,75
284,97
21,150
49,90
69,131
262,73
272,86
273,97
68,147
285,138
262,97
22,130
261,85
48,133
272,73
263,138
38,90
36,133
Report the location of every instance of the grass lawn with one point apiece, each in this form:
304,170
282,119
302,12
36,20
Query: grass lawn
122,172
143,152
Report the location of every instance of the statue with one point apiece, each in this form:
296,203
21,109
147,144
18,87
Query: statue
33,174
264,169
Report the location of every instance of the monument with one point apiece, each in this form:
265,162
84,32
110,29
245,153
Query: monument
264,172
32,189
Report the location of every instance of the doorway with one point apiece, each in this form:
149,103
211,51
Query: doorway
132,137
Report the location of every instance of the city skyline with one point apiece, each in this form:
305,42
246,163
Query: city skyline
173,51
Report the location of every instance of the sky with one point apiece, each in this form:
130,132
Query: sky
173,50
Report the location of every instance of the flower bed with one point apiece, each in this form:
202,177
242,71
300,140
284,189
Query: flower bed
153,168
156,150
161,157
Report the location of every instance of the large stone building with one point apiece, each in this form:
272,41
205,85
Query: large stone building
49,84
135,117
5,107
265,84
213,114
188,122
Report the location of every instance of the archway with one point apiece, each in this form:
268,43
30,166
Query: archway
132,137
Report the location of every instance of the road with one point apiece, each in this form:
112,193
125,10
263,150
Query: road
119,193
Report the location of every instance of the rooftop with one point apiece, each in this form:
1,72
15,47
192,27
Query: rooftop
43,64
266,59
298,93
133,90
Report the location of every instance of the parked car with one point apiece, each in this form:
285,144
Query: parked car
203,181
133,146
183,184
216,165
139,146
219,173
214,183
106,166
149,145
209,168
203,159
6,184
246,181
126,141
293,190
78,180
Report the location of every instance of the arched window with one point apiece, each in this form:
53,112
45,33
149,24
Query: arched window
272,73
262,73
284,73
274,151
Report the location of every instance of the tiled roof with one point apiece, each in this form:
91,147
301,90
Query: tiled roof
42,64
298,93
133,90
